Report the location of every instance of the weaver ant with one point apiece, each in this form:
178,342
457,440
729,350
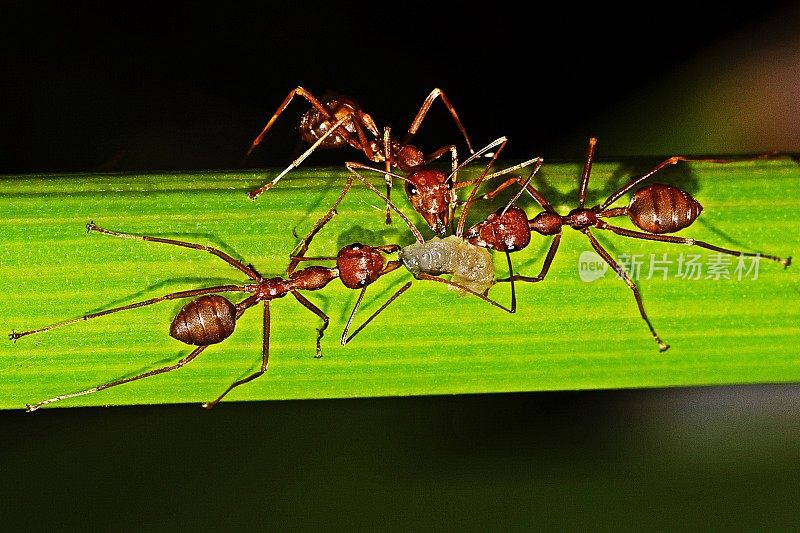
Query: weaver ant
655,209
339,121
433,193
211,318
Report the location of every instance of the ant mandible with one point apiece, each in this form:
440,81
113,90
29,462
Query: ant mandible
339,121
211,318
655,209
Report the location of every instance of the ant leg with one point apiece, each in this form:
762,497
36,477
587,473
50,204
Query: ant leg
255,193
526,185
692,242
442,151
423,110
181,294
536,195
587,170
548,260
390,266
317,311
352,168
264,360
428,277
298,254
179,364
511,278
387,151
346,338
502,141
297,91
628,281
668,163
453,202
249,271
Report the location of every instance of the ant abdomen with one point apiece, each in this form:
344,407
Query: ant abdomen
661,208
207,320
314,124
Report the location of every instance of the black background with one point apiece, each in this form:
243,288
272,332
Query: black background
130,86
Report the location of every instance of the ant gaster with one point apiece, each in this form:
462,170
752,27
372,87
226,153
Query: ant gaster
210,318
656,209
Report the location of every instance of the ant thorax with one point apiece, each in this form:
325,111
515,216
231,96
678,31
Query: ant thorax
468,265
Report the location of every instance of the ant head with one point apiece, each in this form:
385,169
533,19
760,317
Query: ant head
430,192
506,230
359,265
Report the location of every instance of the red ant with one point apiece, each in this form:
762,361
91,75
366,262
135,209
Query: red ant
339,121
656,209
211,318
433,193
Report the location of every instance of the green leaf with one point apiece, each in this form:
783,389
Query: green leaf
567,333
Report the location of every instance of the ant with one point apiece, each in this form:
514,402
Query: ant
210,318
433,193
339,121
656,209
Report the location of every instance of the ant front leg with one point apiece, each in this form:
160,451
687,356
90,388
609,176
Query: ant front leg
345,338
387,160
352,166
389,267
